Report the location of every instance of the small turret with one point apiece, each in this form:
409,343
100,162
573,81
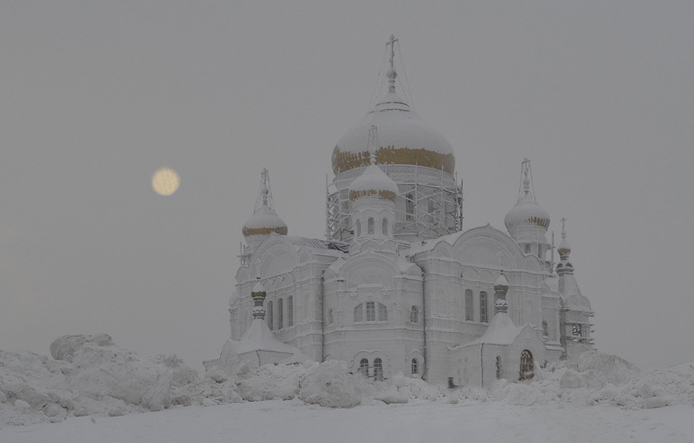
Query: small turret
500,290
373,196
564,266
258,295
527,222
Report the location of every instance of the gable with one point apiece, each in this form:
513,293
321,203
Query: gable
369,269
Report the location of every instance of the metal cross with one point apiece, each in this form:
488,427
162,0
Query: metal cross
391,42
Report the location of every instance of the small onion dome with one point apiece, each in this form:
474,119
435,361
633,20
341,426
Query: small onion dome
527,212
373,182
261,224
258,290
403,139
258,295
501,283
564,248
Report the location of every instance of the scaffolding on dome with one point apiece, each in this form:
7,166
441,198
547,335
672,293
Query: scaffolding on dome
424,209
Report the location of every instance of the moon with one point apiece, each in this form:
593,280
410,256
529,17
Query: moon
165,181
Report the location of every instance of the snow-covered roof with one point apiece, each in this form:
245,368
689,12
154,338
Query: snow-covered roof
450,239
258,337
315,243
501,331
571,295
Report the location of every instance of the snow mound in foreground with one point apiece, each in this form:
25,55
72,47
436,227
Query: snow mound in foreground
90,375
599,378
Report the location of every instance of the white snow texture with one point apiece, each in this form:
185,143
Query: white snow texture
90,375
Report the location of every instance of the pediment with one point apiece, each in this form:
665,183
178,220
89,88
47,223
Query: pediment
369,269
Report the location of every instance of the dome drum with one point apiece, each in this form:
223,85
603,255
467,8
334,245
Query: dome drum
385,195
390,155
248,232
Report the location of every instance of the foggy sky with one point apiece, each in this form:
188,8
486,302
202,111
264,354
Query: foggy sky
95,96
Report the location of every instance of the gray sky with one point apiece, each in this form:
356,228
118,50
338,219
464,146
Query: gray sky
95,96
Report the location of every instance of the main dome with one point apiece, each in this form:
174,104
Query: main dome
403,139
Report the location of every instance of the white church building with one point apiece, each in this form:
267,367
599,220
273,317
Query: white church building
397,285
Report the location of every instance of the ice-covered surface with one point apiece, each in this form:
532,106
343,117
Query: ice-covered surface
595,397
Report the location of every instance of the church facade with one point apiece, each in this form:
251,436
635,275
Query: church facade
397,285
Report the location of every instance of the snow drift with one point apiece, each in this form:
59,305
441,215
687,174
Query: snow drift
90,375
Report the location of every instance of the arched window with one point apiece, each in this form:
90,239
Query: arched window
483,307
290,311
331,316
414,314
499,373
370,224
526,365
382,312
370,311
364,367
414,367
468,305
358,227
545,328
378,369
270,316
384,227
280,313
358,313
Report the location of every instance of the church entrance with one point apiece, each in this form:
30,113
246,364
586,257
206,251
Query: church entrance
526,365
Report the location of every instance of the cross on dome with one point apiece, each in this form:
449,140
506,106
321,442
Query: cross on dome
373,142
265,195
391,72
527,174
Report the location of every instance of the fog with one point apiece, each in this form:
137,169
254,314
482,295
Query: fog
96,96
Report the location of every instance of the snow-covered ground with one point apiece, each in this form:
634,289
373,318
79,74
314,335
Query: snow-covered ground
92,391
294,421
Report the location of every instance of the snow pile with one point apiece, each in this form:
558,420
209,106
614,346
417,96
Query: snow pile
331,385
328,384
597,378
89,375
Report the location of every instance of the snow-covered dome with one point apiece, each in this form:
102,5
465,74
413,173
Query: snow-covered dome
403,139
373,182
258,290
262,223
525,212
264,220
564,248
501,282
